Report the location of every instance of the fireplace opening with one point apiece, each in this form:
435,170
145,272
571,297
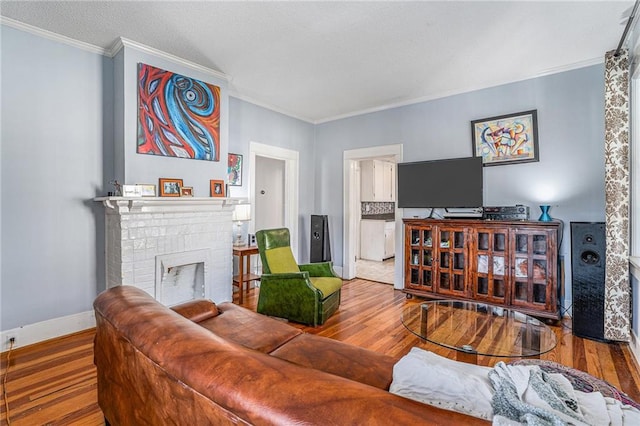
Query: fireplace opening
181,277
183,283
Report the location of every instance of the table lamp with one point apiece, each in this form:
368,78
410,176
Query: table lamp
241,213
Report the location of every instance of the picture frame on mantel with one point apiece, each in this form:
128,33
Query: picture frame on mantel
147,190
217,188
131,191
506,139
170,187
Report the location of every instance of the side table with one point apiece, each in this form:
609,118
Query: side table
238,280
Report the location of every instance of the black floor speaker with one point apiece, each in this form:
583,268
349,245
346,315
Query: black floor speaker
588,275
320,246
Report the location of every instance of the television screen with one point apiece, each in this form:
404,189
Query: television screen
442,183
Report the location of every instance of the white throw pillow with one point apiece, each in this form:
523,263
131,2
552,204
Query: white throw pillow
457,386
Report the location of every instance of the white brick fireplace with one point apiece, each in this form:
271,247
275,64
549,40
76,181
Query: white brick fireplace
175,249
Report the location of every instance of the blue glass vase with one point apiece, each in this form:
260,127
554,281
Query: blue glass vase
544,217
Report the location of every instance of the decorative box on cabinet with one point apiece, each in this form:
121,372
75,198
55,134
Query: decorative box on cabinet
511,264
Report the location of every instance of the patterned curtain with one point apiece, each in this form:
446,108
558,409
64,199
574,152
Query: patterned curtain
616,114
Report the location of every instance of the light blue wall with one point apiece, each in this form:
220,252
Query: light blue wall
569,175
251,123
56,146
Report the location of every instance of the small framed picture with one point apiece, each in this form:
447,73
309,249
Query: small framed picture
234,169
147,190
170,187
131,191
186,191
217,188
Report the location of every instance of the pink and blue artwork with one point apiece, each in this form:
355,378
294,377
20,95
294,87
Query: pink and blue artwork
178,116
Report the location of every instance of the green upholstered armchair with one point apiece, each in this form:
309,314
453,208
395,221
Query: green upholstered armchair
308,294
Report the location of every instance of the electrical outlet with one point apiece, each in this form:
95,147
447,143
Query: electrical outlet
11,340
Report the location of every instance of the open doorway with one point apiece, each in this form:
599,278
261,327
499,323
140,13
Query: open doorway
375,260
278,168
378,216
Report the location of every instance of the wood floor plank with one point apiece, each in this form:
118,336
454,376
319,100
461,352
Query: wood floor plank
54,382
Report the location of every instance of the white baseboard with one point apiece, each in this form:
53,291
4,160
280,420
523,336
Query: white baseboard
45,330
338,270
634,346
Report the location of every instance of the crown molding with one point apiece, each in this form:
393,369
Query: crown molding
113,50
235,94
124,42
441,95
52,36
115,47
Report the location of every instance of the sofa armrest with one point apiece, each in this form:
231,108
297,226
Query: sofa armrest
197,310
286,276
289,296
290,283
320,269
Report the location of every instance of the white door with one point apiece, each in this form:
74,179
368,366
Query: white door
286,165
269,193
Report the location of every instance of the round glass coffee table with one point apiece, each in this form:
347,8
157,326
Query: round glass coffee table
473,329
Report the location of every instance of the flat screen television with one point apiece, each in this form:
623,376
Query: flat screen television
455,183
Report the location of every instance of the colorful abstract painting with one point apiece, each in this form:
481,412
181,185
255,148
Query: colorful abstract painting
235,170
178,116
506,139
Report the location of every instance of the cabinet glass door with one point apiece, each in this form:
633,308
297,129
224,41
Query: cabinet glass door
491,266
532,269
451,261
420,258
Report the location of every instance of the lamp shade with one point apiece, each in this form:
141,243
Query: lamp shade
241,212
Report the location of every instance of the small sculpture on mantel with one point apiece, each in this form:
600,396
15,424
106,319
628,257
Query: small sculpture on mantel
118,188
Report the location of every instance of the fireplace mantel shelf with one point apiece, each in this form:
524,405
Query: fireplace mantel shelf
123,205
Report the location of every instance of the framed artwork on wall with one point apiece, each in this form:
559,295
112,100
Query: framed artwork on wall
235,170
170,187
178,116
506,139
217,188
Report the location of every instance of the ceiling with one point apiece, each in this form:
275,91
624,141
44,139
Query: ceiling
319,61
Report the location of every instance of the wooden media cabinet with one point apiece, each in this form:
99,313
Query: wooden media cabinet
506,263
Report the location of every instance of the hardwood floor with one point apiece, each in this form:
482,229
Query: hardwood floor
54,382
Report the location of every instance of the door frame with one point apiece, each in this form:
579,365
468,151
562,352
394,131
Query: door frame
291,167
351,208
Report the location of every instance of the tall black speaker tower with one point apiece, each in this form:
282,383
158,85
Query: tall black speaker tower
587,271
320,247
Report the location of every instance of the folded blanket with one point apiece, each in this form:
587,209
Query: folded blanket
530,396
527,395
510,395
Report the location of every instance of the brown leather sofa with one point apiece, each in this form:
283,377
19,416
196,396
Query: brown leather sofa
202,364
